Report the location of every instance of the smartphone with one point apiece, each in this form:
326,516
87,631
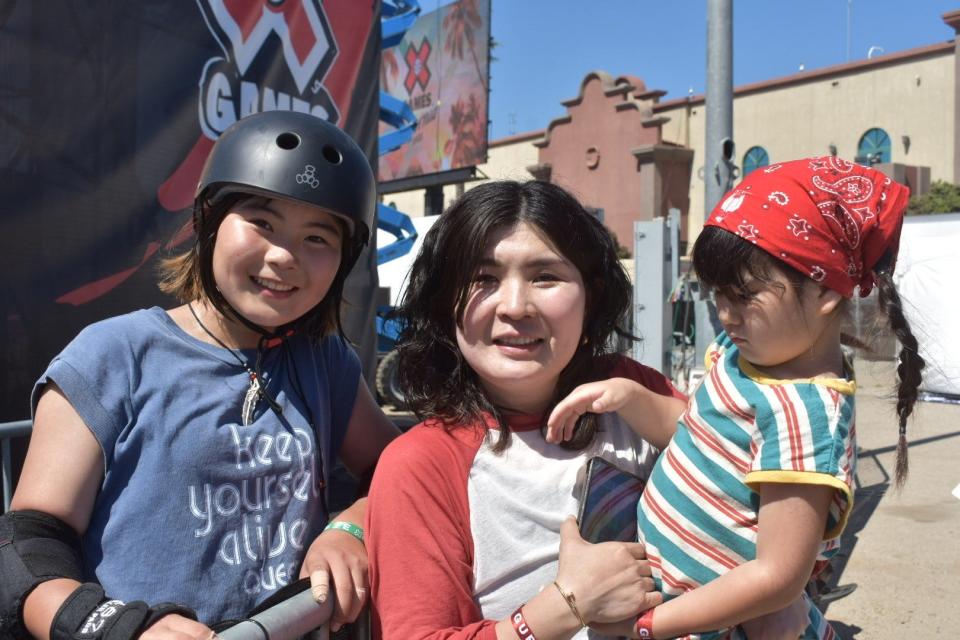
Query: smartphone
608,503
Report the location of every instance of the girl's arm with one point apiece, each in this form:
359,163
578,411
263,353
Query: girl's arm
651,415
792,520
61,476
368,433
335,555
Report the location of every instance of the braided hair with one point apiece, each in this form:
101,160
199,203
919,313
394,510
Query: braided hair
909,362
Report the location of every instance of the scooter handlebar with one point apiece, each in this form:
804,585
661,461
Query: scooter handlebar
286,620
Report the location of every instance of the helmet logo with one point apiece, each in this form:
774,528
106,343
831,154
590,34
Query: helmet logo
308,177
252,34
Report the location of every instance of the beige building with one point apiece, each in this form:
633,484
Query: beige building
898,110
909,96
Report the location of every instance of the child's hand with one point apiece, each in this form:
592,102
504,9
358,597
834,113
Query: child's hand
337,557
789,622
602,396
176,627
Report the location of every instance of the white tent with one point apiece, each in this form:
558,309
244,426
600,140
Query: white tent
927,275
393,274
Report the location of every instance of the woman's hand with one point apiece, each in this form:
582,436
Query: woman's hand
176,627
787,624
611,581
338,557
602,396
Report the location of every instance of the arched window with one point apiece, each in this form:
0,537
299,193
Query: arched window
754,158
874,147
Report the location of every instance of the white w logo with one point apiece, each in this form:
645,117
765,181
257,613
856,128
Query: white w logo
304,47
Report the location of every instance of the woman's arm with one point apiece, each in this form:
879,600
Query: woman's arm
422,560
792,520
62,442
651,415
336,555
607,581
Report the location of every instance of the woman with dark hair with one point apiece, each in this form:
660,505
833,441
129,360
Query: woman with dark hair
513,302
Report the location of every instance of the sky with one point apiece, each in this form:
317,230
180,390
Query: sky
544,48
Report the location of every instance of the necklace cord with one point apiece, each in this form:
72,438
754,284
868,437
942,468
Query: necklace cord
256,374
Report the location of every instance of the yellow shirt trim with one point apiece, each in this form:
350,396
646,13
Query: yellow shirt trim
756,478
844,386
708,356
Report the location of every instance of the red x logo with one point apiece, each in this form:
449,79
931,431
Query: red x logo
417,70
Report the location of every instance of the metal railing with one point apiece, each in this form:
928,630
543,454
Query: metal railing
9,431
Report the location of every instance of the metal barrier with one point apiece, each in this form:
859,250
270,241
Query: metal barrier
8,431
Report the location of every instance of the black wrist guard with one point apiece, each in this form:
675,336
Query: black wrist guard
34,547
87,614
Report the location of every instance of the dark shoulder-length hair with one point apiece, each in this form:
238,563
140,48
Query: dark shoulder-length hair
436,380
189,275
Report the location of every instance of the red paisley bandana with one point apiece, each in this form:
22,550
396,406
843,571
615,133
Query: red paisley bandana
828,218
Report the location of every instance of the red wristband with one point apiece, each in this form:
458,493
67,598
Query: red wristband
644,625
520,625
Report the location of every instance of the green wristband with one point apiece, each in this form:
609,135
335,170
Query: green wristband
349,527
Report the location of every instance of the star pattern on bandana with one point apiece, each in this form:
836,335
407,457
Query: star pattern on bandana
799,226
863,212
748,232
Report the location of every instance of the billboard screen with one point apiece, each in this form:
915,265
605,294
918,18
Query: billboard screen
441,69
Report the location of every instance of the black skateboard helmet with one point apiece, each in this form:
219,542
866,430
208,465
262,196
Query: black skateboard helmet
295,156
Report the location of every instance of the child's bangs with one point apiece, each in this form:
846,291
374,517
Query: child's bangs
724,262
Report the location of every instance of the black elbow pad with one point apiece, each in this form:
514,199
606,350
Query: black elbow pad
34,547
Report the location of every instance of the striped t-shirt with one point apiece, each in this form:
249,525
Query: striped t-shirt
698,514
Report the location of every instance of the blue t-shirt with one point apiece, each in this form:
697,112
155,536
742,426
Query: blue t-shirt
195,507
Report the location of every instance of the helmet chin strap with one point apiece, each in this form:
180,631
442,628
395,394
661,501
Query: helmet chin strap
267,340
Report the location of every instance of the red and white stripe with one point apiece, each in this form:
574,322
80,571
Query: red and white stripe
691,479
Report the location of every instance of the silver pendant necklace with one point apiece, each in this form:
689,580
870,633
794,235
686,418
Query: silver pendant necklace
256,390
250,399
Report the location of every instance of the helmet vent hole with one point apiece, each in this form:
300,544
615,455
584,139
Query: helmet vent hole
332,154
288,141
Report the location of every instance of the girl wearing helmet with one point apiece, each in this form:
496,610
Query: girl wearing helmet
192,446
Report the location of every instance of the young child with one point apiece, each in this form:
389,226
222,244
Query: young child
182,456
756,484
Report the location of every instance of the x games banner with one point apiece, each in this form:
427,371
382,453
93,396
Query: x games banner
108,109
441,69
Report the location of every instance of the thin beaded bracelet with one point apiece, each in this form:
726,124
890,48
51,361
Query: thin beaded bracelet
349,527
